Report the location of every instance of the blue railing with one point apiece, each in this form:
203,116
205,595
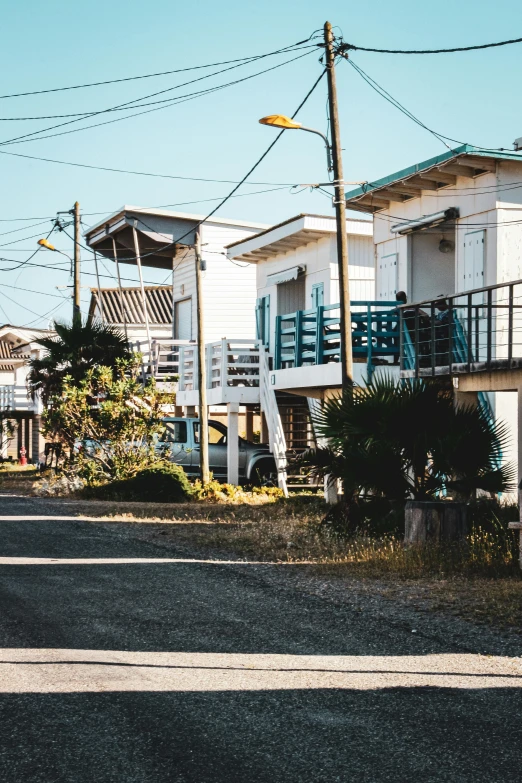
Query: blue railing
310,337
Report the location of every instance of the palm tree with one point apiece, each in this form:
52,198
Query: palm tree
403,440
76,349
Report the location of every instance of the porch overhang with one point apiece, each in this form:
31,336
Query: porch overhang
160,236
433,174
290,235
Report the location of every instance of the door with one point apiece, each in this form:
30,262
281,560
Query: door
387,278
263,320
183,319
291,296
174,439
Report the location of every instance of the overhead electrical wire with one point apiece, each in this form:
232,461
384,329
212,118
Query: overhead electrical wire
130,171
34,136
354,47
236,188
153,75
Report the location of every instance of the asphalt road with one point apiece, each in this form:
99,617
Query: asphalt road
125,661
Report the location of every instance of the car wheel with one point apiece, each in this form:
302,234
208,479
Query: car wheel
265,475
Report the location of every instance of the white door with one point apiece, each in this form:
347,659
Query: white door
387,278
183,320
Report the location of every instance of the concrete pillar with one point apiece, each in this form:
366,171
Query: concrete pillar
331,490
249,424
233,443
191,412
462,399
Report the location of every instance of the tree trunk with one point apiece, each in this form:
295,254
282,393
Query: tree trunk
436,521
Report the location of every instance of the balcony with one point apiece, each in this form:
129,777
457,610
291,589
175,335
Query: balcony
308,345
471,332
232,369
15,399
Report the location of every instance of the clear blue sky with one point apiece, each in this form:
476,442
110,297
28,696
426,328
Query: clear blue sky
474,97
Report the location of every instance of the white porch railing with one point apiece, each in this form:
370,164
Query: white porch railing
229,364
162,359
14,398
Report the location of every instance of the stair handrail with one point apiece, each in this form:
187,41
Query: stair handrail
276,435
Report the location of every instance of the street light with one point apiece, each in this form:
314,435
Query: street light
76,309
285,123
334,164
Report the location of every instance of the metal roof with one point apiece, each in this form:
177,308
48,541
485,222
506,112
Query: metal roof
432,174
158,298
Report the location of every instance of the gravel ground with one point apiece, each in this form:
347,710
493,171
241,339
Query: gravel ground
127,658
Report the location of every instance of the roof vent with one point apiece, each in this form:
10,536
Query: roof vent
517,144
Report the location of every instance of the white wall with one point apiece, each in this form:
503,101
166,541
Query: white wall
229,290
502,203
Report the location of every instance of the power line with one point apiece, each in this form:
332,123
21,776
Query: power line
152,75
224,200
130,171
136,102
180,99
351,47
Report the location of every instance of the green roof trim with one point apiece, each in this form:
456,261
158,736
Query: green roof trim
465,149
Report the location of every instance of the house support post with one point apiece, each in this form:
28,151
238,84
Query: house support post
38,441
100,301
143,297
122,304
519,477
249,424
233,443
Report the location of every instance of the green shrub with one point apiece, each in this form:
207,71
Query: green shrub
166,483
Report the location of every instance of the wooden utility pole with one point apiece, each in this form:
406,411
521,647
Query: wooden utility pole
340,215
202,373
77,313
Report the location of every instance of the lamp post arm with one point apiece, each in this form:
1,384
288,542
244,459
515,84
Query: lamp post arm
327,144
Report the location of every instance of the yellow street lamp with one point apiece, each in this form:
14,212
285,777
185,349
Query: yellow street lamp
286,123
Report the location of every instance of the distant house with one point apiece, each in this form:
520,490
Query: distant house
163,239
17,346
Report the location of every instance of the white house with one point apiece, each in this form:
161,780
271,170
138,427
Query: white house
443,228
166,240
297,272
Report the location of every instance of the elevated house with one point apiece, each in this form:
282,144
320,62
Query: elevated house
448,231
294,360
17,346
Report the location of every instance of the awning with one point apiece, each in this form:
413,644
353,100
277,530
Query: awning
284,277
427,221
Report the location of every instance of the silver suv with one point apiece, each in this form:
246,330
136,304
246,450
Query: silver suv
181,438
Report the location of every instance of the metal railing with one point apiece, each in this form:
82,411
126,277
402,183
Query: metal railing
229,363
310,337
467,332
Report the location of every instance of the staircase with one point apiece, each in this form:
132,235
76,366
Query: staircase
276,435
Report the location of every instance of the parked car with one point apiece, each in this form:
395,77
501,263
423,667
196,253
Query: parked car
181,438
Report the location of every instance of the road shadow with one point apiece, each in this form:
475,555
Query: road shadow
415,734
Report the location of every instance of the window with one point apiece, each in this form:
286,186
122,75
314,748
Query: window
317,295
175,432
216,435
